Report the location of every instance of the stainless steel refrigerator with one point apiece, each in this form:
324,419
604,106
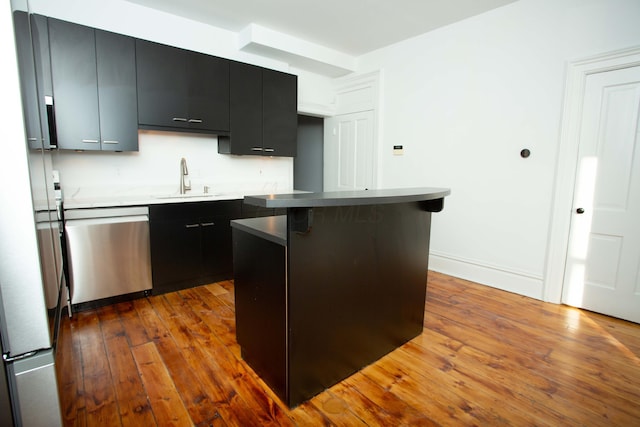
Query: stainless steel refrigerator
31,279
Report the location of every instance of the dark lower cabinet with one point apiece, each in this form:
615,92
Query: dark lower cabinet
191,243
217,258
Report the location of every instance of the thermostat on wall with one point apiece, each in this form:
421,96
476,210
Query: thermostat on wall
398,150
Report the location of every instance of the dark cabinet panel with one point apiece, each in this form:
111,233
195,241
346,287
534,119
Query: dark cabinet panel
245,111
162,82
175,252
118,106
217,259
42,63
263,112
280,113
181,90
28,86
191,243
261,307
208,92
94,87
75,85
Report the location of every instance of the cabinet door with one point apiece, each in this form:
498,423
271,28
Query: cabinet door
217,259
75,86
28,87
118,105
162,85
42,63
217,252
246,111
175,253
208,96
280,109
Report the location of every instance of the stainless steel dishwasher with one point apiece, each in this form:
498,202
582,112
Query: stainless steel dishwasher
108,252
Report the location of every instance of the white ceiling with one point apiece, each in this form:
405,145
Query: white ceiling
353,27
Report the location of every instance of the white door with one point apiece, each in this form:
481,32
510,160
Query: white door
349,152
602,272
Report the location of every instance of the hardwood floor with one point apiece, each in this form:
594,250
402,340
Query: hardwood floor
486,357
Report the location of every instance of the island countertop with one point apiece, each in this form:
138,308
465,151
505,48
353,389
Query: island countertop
272,228
347,198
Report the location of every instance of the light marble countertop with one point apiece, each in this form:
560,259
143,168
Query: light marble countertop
86,198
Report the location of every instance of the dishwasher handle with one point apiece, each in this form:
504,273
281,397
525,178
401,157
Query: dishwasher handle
102,221
87,213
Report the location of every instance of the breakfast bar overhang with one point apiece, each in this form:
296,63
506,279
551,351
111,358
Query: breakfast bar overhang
333,285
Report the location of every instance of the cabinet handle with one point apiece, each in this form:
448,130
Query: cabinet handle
192,226
179,119
208,224
195,121
32,139
90,141
269,150
106,141
256,149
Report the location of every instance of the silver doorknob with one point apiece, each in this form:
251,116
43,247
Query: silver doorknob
579,211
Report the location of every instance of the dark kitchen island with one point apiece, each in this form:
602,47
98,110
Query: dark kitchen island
333,285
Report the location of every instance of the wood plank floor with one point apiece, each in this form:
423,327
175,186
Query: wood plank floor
486,357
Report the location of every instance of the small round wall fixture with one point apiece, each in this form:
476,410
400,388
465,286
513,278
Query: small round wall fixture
525,153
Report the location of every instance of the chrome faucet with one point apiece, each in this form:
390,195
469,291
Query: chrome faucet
185,182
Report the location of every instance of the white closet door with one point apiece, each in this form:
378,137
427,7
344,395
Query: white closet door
603,264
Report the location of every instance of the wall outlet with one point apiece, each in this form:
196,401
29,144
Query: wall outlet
398,150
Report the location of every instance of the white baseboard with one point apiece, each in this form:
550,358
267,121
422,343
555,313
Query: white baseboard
497,277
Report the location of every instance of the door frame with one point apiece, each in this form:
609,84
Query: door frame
567,161
353,94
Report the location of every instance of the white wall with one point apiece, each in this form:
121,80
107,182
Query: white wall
464,100
157,161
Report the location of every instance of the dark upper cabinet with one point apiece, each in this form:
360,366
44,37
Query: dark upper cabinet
28,86
32,42
246,109
280,113
182,90
93,75
263,112
42,63
208,92
117,96
162,83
